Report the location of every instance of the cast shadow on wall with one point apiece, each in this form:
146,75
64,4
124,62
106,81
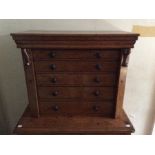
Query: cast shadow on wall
13,97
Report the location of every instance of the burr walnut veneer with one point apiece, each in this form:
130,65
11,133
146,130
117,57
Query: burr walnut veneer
75,82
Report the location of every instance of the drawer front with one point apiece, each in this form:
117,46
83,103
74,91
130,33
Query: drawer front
71,79
77,108
75,66
87,93
52,54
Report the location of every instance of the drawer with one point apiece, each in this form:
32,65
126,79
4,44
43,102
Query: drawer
71,79
75,66
77,108
52,54
87,93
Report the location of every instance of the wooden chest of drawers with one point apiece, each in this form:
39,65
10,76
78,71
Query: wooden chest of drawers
75,82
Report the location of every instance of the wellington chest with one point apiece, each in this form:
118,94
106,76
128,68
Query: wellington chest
75,82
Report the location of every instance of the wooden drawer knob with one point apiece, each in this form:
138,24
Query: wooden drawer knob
98,67
98,55
52,54
55,93
95,108
97,93
53,66
97,80
53,80
55,108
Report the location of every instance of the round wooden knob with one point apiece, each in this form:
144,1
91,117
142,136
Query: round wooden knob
97,93
52,54
53,66
95,108
98,66
55,93
97,80
98,55
55,108
53,80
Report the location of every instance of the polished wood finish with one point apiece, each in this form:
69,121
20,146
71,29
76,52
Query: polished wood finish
78,93
72,40
55,54
76,79
75,82
72,66
71,108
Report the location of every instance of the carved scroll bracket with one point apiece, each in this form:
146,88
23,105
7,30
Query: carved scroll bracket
26,57
125,53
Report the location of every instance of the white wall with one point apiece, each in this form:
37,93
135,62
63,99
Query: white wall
139,96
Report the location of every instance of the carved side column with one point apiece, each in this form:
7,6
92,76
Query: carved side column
125,60
122,81
31,82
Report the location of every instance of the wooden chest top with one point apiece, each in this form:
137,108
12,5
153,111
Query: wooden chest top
75,39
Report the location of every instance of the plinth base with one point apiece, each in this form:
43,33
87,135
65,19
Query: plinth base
73,125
